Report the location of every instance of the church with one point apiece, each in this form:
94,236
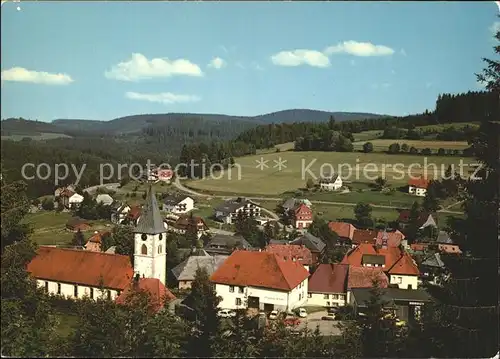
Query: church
78,273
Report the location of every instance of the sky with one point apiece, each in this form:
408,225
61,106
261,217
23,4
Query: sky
103,60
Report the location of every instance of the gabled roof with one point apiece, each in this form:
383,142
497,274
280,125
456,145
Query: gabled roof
159,294
76,221
289,203
314,244
433,260
342,229
329,278
329,178
104,198
185,220
97,236
260,269
134,212
150,221
232,205
444,238
187,269
301,207
81,267
174,199
363,277
423,218
364,236
224,240
393,239
418,182
291,252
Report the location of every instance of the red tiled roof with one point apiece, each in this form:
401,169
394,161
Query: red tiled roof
260,269
97,237
397,261
343,229
363,277
81,267
134,212
183,221
66,193
393,238
418,182
418,246
329,278
364,236
159,294
404,216
291,251
302,208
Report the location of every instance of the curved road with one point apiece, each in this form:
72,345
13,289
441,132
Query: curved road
181,187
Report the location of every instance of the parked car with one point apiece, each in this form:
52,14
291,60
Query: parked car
226,313
329,316
291,321
302,313
273,315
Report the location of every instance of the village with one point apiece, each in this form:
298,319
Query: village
293,276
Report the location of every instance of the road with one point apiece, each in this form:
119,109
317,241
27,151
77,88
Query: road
326,327
181,187
109,186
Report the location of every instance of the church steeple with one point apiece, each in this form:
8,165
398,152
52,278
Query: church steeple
150,221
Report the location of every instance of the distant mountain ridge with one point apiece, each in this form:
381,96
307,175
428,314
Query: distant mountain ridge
136,123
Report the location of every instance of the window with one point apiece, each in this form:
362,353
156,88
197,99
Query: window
309,295
159,249
231,289
58,288
399,280
325,296
118,293
238,301
241,289
327,304
75,291
91,293
109,294
144,249
335,296
300,296
410,286
46,287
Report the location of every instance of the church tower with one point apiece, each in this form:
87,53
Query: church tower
150,236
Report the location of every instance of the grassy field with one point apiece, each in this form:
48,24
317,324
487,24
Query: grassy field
440,127
41,136
367,135
383,144
246,178
66,324
49,227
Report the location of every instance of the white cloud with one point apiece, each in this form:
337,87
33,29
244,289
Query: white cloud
217,63
166,98
359,49
495,27
139,67
19,74
301,57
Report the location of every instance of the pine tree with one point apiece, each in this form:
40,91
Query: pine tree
78,239
430,202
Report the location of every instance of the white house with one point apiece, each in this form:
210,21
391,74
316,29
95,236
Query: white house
228,211
120,212
75,200
260,280
330,183
418,186
328,285
178,204
105,199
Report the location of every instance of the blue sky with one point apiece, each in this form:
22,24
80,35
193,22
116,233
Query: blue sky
104,60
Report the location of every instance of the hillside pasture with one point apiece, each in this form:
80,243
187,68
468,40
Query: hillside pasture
380,145
367,135
247,178
37,137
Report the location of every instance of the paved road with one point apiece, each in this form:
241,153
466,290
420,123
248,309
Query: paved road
109,186
326,327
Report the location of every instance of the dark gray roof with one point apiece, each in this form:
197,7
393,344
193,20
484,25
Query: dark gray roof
222,243
329,178
391,295
372,259
433,261
173,199
289,203
278,241
150,221
187,269
232,205
314,244
444,237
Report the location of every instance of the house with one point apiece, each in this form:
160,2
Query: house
159,295
314,244
364,277
292,252
60,190
134,214
433,269
185,272
111,250
444,238
398,265
330,183
183,222
94,242
345,231
425,219
406,304
76,273
178,204
393,239
364,236
302,216
70,199
76,224
164,175
449,248
104,199
228,211
225,244
291,203
418,186
327,286
119,212
260,280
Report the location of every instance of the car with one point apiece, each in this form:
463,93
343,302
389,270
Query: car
291,321
329,316
302,313
226,313
273,315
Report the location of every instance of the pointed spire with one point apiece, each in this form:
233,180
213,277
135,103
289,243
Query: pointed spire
150,221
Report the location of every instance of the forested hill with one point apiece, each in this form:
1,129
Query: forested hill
459,108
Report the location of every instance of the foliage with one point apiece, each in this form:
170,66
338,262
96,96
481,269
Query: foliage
363,214
78,239
430,202
247,227
367,147
380,183
14,206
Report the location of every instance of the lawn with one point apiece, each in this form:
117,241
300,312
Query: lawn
246,178
397,198
383,144
49,227
66,323
367,135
